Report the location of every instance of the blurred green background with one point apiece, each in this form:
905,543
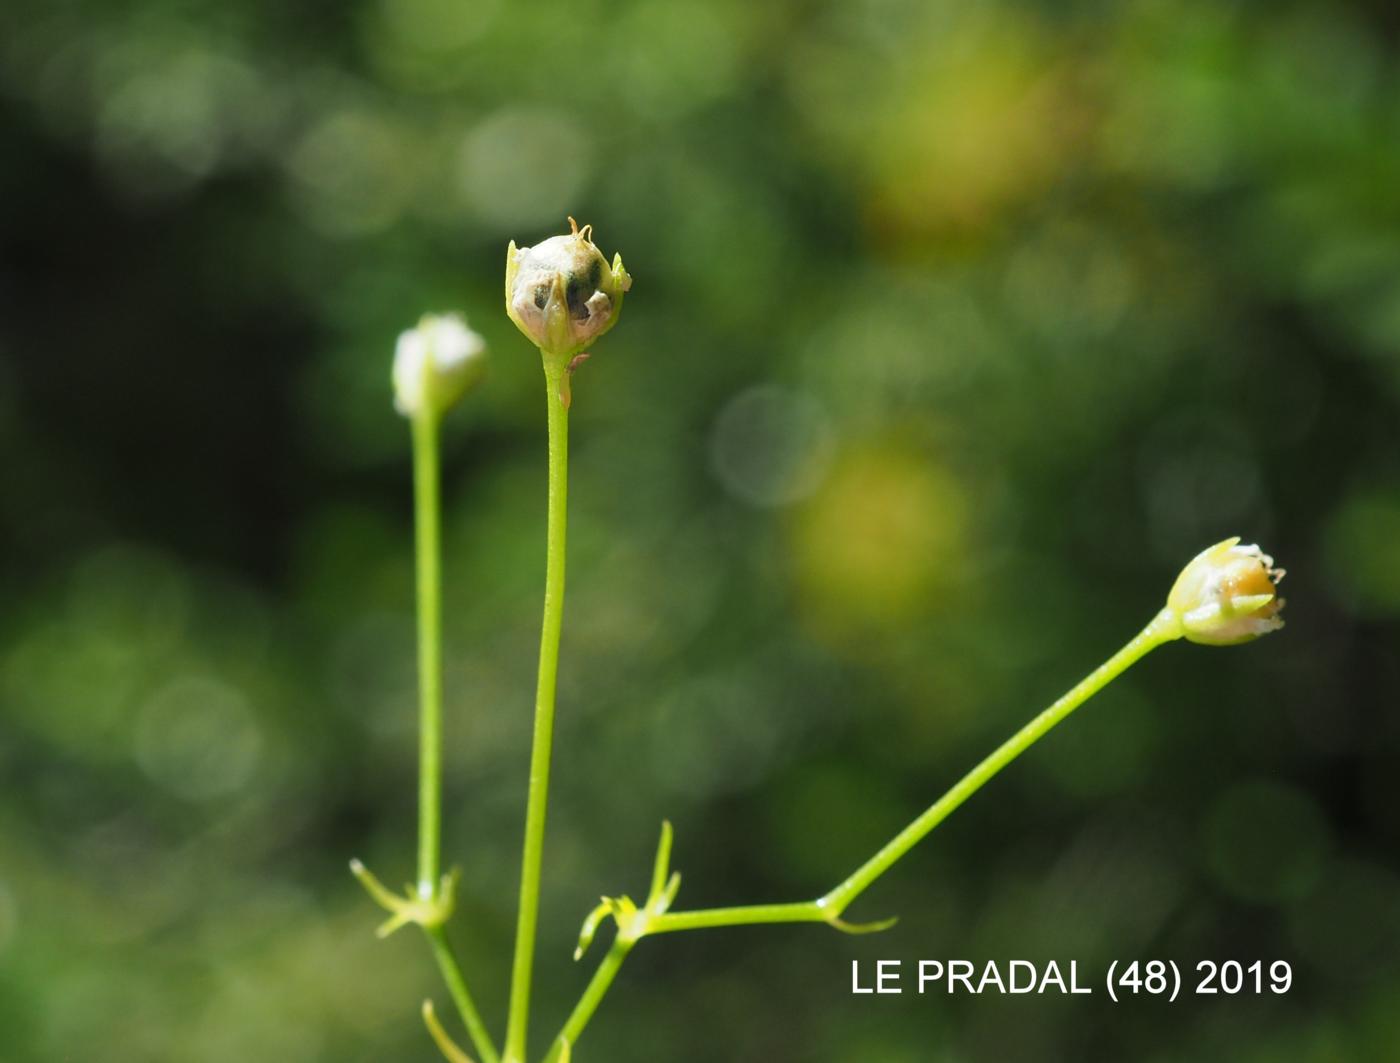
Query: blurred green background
957,329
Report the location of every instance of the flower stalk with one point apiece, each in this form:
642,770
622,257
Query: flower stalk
537,801
427,525
563,295
435,365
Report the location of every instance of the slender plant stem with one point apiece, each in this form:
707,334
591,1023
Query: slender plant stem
593,994
427,525
428,535
457,987
827,909
800,912
1163,627
537,801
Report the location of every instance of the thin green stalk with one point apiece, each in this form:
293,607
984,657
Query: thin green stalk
1163,628
457,987
593,994
536,805
427,525
828,908
704,919
428,542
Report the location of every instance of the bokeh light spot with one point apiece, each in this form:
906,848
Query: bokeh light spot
985,122
197,736
771,446
437,26
673,57
884,531
354,173
524,166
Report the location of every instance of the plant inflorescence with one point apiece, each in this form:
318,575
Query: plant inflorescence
563,295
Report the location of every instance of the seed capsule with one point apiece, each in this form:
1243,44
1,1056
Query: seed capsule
562,293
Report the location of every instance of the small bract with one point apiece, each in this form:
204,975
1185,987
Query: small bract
562,293
436,364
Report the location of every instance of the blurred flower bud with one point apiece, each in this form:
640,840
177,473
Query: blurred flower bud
436,364
1227,594
562,293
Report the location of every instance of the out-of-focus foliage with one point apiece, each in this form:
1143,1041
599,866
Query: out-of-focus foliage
957,328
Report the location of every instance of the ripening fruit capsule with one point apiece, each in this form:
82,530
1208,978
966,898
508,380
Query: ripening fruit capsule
562,293
1228,594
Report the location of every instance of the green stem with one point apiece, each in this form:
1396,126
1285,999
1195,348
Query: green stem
704,919
593,994
457,987
427,526
1163,628
428,543
555,378
827,909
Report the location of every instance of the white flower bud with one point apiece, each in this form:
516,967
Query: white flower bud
562,293
436,364
1228,594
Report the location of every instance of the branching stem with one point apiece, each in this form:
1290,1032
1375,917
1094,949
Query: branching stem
828,908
